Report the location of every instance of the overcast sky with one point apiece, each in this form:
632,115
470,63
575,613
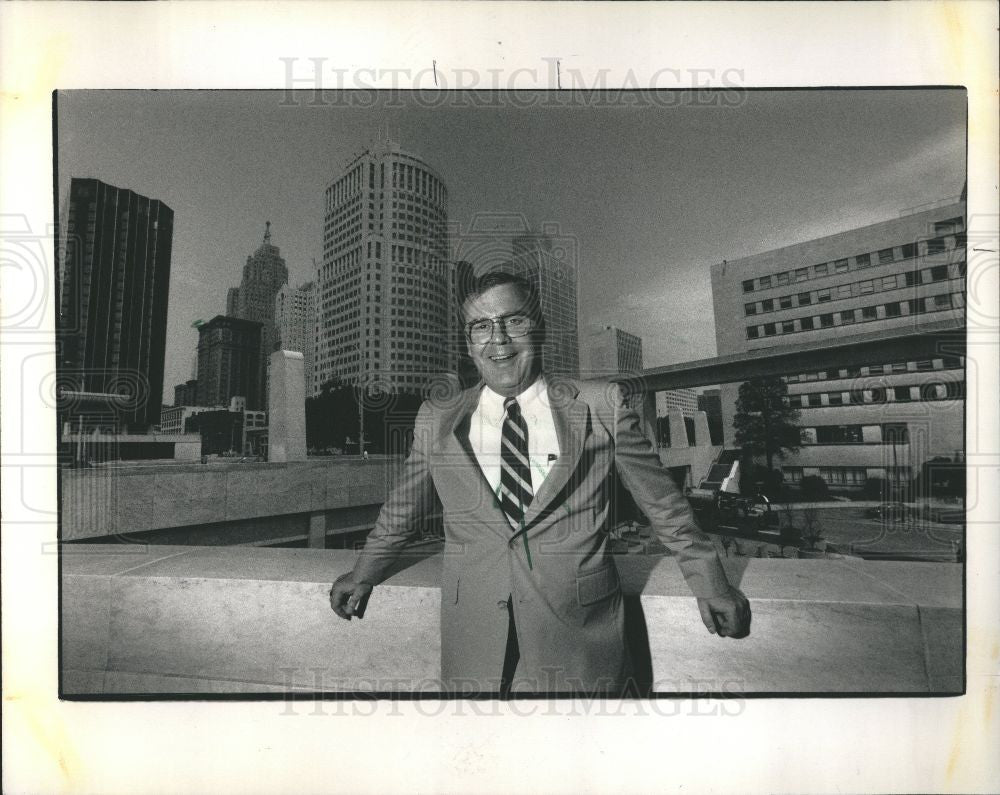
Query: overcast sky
653,194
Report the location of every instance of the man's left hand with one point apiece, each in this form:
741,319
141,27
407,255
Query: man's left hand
727,615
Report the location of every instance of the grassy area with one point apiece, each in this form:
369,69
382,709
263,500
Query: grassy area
852,530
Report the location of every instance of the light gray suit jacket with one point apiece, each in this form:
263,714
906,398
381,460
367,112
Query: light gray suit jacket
558,570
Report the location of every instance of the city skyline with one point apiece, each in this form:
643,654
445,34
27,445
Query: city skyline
654,195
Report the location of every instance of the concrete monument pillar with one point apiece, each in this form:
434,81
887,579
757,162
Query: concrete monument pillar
678,431
286,425
701,435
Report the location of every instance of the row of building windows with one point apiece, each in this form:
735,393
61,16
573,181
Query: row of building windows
337,218
885,433
845,476
879,395
404,176
420,213
918,366
411,178
345,187
337,266
914,278
884,256
866,314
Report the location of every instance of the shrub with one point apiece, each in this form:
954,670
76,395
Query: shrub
754,477
814,488
876,489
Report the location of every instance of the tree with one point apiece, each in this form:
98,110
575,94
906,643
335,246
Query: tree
765,423
333,416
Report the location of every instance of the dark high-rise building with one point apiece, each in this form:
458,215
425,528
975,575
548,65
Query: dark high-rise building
186,394
263,275
229,362
113,284
710,401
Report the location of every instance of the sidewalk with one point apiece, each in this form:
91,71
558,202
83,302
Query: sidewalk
934,504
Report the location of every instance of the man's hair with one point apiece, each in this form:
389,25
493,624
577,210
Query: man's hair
480,285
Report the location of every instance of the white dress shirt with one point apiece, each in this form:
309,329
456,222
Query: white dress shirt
486,427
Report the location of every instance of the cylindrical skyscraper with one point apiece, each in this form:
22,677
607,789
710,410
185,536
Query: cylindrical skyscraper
384,282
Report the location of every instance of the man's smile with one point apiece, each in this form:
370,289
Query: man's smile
508,365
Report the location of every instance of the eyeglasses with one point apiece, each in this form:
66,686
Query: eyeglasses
481,331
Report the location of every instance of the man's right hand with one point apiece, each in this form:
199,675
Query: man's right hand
348,597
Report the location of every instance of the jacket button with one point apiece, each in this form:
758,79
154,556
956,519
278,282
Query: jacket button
502,604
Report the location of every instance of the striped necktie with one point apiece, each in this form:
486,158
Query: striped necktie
515,474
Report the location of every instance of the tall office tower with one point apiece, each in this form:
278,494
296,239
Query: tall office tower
233,301
684,399
610,351
710,401
873,418
263,275
384,280
462,278
555,279
186,394
113,285
229,362
295,320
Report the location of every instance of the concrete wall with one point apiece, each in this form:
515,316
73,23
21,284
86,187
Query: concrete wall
252,620
699,459
119,500
186,446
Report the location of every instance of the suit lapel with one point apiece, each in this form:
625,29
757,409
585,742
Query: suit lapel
461,459
570,417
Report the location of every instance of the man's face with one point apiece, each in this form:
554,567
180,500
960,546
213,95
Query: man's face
508,365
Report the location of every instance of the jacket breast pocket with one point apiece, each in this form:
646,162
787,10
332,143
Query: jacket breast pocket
597,585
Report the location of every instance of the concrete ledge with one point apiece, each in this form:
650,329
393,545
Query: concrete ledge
176,620
122,500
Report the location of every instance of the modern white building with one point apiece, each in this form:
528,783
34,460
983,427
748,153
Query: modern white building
686,400
610,351
385,283
875,418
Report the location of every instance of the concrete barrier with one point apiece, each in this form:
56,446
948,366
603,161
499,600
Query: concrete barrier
125,500
181,620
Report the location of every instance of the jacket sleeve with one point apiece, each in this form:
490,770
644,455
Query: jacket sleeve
411,501
669,513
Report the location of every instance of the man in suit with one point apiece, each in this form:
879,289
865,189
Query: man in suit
523,466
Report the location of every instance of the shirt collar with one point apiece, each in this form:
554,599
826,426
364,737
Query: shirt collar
491,403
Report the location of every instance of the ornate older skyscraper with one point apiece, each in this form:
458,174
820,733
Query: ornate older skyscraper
263,275
114,279
384,282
